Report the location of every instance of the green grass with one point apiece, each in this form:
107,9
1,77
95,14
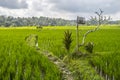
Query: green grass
83,71
50,38
109,63
21,62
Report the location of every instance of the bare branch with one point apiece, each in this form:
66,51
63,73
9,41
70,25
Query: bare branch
97,13
89,31
85,35
101,11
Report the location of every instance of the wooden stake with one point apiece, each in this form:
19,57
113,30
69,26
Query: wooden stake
77,36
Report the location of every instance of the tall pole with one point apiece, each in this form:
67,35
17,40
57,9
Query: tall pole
77,36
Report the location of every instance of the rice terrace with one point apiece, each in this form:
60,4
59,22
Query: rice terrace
52,40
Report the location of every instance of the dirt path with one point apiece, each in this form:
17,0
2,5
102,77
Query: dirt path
66,74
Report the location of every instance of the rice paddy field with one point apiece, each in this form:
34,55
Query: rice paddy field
18,61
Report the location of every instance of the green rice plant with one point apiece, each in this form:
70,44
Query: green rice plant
22,62
16,56
109,62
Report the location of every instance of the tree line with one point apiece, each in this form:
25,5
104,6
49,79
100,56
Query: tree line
33,21
8,21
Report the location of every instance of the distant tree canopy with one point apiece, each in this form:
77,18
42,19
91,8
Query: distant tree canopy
8,21
33,21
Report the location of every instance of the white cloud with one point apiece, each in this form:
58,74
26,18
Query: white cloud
67,9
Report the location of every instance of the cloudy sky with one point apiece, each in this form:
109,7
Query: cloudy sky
67,9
